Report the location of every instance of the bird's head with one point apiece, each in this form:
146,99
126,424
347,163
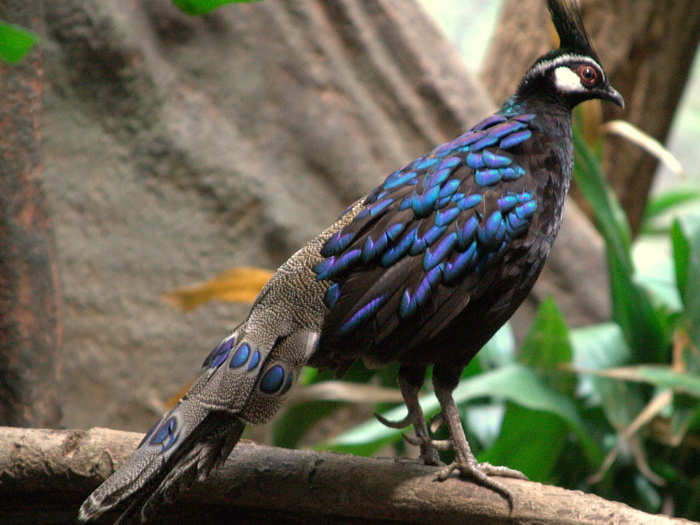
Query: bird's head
572,73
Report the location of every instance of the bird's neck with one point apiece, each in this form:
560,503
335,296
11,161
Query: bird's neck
542,102
552,126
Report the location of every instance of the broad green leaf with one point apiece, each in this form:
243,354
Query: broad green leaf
547,346
658,279
603,346
484,421
599,346
15,42
201,7
514,383
621,402
530,441
499,350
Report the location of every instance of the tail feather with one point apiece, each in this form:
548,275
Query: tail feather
244,380
166,462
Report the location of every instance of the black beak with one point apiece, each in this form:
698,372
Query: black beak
613,95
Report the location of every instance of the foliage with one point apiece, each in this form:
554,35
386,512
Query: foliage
202,7
611,408
15,42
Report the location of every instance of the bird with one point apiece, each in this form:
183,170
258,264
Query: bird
420,272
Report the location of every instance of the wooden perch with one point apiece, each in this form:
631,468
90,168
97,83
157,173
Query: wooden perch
45,474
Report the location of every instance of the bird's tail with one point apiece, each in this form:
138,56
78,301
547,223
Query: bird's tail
243,381
186,442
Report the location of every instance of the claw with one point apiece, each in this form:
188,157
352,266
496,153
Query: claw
481,474
438,444
436,422
402,423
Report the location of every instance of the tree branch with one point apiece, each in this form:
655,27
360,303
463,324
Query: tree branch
54,470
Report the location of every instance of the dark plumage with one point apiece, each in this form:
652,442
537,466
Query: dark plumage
421,272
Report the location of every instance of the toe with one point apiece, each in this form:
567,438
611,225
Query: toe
505,472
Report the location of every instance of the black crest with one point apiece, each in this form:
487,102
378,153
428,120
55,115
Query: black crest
566,16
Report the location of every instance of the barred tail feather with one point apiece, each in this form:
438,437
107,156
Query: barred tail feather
243,380
188,441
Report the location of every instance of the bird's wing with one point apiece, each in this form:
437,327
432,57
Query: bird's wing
428,230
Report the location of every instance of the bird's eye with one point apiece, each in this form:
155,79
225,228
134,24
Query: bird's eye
588,74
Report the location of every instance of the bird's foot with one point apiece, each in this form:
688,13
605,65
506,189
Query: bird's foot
481,474
428,448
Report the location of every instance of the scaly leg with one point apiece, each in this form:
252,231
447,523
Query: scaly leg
445,380
410,381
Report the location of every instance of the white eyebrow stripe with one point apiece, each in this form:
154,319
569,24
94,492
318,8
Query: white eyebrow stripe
561,61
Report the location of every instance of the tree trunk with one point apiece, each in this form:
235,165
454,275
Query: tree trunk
30,326
647,48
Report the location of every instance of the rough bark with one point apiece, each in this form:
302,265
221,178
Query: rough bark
647,48
54,470
30,326
178,147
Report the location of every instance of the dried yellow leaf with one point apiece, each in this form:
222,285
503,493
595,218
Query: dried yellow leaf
237,285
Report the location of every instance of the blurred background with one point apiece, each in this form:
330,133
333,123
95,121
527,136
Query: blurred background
158,150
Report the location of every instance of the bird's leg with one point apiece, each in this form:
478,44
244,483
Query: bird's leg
410,382
445,380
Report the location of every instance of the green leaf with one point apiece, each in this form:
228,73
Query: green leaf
499,350
682,417
645,330
201,7
599,346
685,238
665,377
666,201
609,215
603,346
648,492
547,346
681,258
514,383
659,280
530,441
15,42
632,307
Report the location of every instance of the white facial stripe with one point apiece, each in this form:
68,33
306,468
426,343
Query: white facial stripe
567,81
561,61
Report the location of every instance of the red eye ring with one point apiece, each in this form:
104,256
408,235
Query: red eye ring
588,74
